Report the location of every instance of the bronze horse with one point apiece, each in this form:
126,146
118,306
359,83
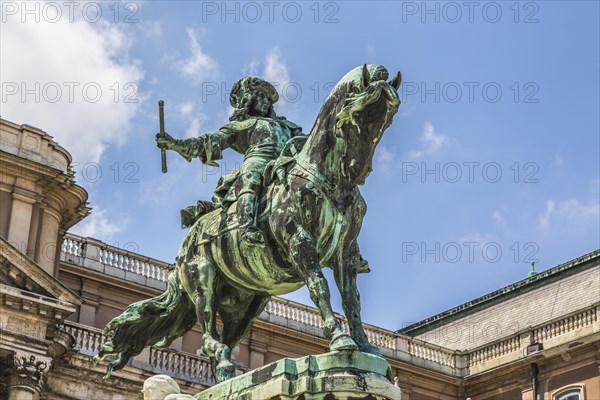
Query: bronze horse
311,212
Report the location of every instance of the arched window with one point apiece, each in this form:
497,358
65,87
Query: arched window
569,394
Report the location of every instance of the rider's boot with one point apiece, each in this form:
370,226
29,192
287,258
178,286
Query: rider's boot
246,210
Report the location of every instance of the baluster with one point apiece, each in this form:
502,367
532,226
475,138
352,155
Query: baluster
132,265
151,357
162,360
175,362
97,342
170,361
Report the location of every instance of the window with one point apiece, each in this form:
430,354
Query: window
570,394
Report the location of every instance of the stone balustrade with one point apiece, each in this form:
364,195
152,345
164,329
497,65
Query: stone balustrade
98,256
429,352
566,325
177,364
583,323
494,350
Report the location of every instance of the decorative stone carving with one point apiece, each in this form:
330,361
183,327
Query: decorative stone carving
27,371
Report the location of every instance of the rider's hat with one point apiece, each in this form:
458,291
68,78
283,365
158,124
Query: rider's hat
249,84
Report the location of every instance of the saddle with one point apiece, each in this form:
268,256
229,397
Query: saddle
226,192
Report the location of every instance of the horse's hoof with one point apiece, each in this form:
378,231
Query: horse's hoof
342,342
225,371
369,348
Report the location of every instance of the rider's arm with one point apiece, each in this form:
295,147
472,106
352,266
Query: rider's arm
210,146
225,137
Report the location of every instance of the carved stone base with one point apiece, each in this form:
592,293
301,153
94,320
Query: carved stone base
339,375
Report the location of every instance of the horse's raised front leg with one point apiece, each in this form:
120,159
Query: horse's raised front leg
201,281
304,257
345,277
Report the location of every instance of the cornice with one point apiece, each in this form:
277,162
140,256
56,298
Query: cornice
36,273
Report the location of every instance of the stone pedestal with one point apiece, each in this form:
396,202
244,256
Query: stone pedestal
339,375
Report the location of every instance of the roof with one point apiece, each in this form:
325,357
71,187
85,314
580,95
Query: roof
528,284
36,274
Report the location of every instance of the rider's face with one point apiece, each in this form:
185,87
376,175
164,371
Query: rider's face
261,104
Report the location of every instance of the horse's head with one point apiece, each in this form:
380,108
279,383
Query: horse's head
357,111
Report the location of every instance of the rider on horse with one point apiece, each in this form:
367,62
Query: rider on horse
255,131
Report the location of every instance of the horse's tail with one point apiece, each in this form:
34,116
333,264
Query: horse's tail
154,322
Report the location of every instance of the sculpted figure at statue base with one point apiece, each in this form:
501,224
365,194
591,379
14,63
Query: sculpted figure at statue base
162,387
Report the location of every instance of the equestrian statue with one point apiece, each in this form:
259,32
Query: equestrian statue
292,208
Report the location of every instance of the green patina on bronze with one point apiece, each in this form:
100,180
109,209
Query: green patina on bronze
336,375
293,208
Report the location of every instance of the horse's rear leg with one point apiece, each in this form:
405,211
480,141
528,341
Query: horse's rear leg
238,320
203,283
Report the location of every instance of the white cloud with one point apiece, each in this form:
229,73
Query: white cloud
185,108
569,214
276,71
278,74
192,120
432,142
152,29
199,66
500,222
383,159
83,82
251,68
97,225
544,219
193,128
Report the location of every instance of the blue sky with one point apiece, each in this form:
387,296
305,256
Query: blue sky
492,160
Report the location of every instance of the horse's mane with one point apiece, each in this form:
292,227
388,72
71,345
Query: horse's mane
349,82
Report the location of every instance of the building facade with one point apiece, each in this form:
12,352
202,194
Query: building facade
538,339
